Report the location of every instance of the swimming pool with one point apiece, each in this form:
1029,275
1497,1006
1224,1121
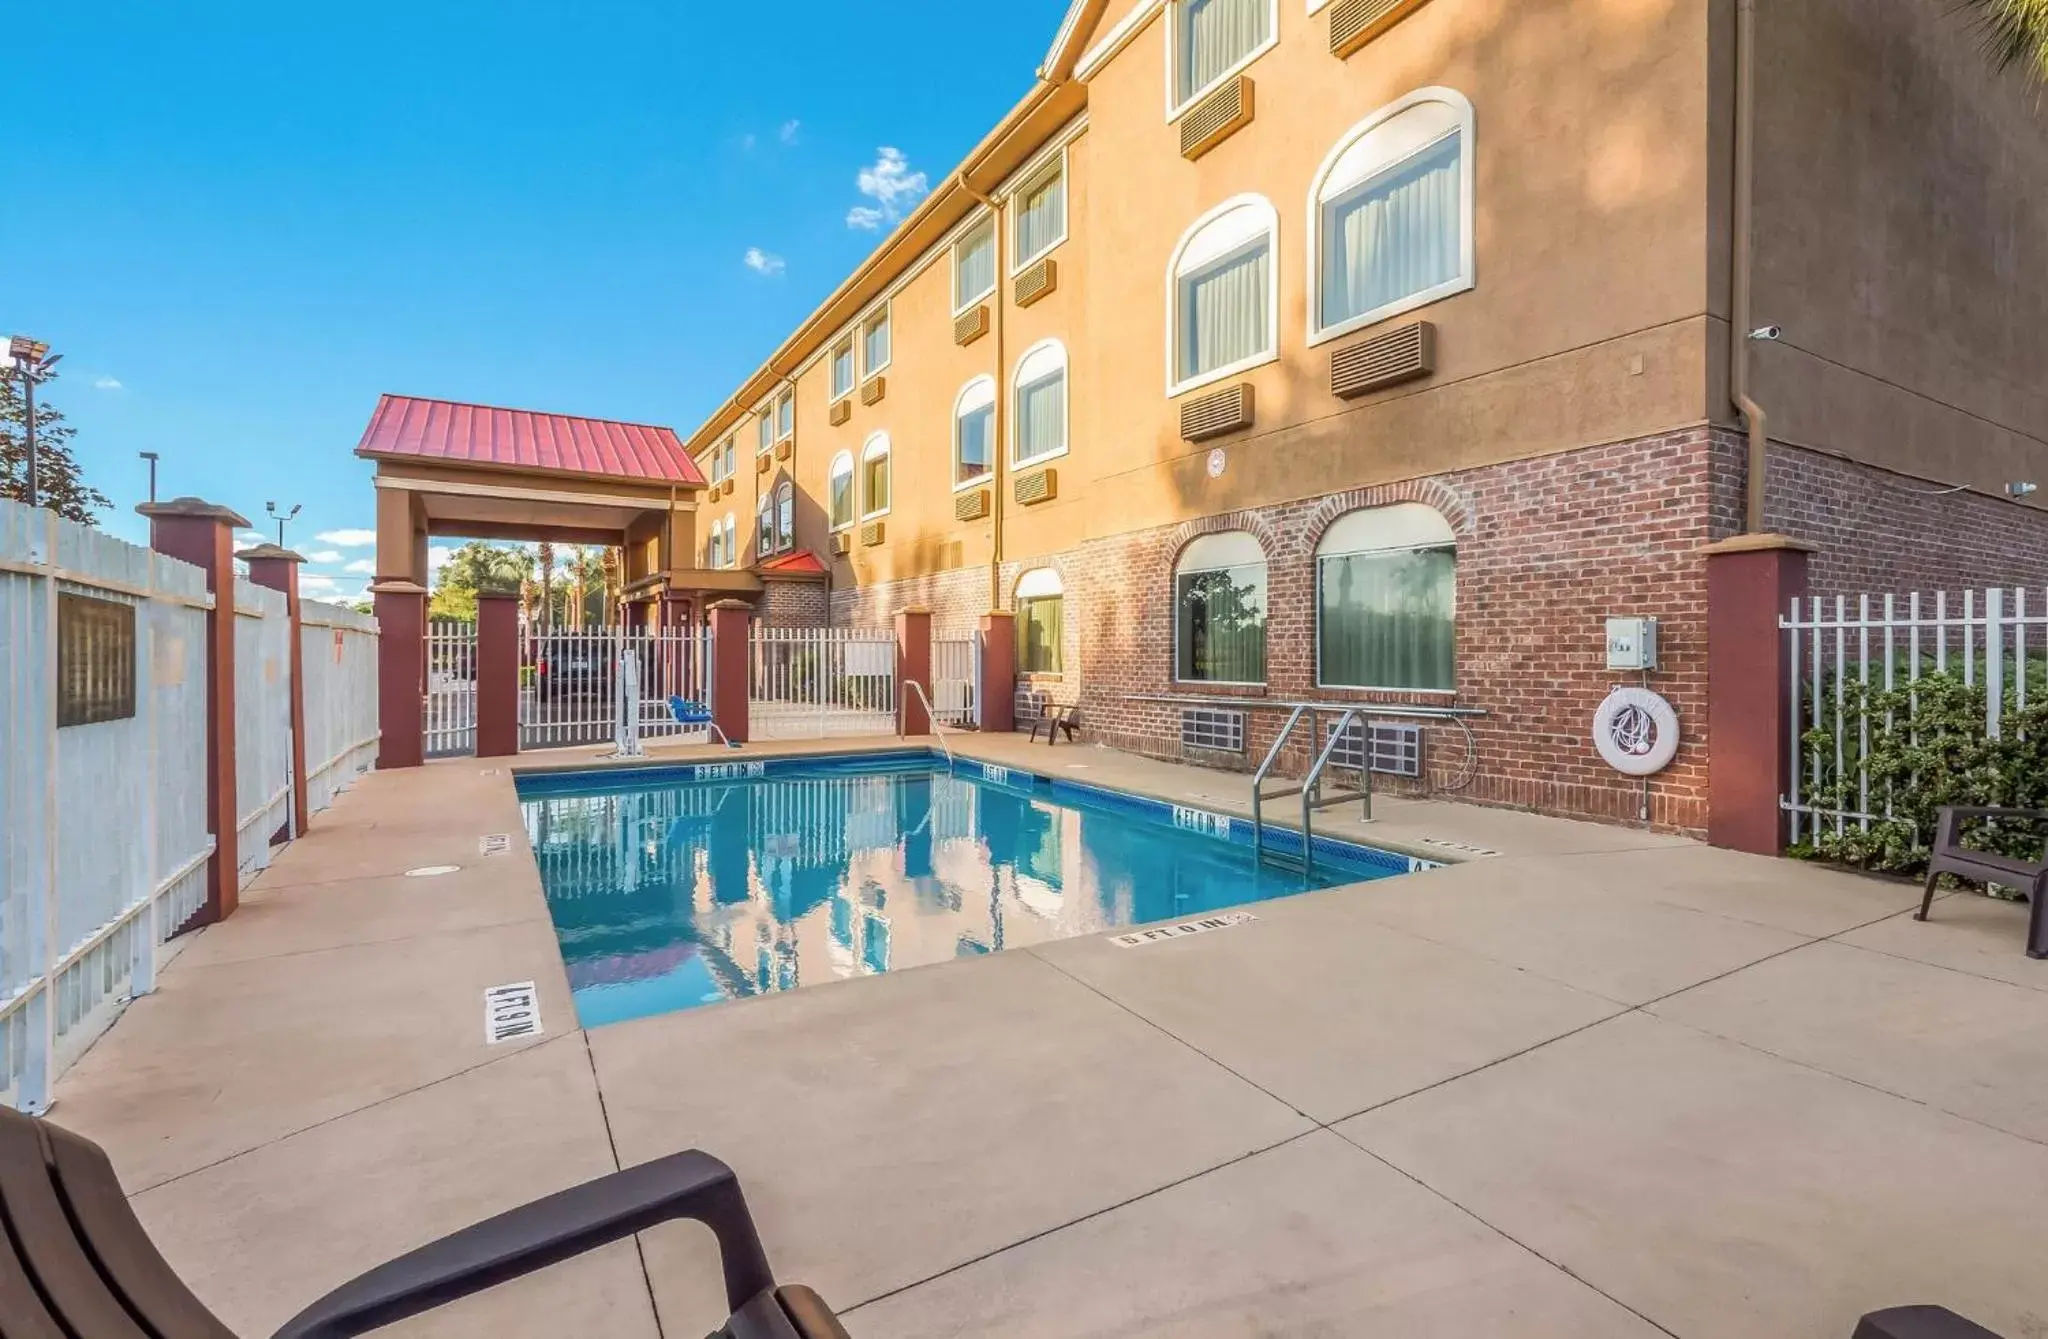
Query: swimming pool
681,886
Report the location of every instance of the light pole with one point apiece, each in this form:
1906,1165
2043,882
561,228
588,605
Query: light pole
150,456
32,360
281,517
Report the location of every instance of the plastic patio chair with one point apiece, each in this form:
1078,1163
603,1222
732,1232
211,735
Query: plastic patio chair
75,1261
1919,1322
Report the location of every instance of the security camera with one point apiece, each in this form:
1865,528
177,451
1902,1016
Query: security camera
2020,490
1768,332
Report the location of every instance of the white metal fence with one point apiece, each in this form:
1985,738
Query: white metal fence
809,683
1852,659
569,683
105,843
451,689
956,670
263,722
338,650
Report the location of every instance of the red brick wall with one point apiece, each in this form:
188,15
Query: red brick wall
957,599
794,604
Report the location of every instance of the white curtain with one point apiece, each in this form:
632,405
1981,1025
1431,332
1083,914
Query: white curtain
785,532
976,267
1223,311
842,371
732,532
877,342
1394,236
785,416
1217,34
975,458
1043,217
842,495
877,470
1042,416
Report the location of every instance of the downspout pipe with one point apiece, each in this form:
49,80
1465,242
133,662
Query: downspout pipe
996,447
1743,274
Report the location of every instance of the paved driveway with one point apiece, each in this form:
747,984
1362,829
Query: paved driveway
1600,1084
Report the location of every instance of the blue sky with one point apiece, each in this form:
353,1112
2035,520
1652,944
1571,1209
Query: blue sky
241,222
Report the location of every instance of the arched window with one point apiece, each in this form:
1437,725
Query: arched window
1041,621
1219,610
1041,403
839,490
714,546
764,527
785,516
1390,214
874,476
1386,600
732,538
1222,306
974,432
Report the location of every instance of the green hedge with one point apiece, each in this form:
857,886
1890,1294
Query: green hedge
1927,747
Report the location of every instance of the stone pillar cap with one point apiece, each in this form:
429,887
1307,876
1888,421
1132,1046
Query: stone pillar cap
194,507
271,552
731,604
397,588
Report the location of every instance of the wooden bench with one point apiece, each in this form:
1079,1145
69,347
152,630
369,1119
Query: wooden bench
1951,857
74,1260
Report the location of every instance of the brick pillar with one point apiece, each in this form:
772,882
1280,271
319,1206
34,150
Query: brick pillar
401,673
204,535
278,568
913,665
997,691
730,620
497,674
1751,580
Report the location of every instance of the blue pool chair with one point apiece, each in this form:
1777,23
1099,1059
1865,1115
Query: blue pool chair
689,713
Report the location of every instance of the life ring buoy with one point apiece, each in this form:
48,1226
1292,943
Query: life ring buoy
1636,732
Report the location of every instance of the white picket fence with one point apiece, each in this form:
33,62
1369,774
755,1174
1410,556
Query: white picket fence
106,841
263,722
338,651
956,670
1890,642
814,683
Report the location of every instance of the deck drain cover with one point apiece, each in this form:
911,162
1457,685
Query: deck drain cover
496,844
511,1012
431,871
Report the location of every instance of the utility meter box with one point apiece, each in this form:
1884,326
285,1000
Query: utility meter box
1631,643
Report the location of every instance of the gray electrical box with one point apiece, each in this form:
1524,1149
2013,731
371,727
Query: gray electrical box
1631,643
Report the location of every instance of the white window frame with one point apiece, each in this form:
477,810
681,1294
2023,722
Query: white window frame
1467,277
788,398
1044,348
876,445
845,346
962,303
764,525
785,542
852,491
1434,542
878,314
764,428
1056,168
976,387
732,538
1174,385
1174,10
1181,569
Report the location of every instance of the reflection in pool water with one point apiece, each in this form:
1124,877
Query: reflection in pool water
669,896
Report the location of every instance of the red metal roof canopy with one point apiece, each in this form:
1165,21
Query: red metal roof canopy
412,429
801,561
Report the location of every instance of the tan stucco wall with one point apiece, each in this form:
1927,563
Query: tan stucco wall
1902,242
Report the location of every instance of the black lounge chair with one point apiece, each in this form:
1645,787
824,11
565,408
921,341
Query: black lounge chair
1950,856
75,1262
1919,1322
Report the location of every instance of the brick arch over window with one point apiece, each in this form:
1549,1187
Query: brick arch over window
1455,506
1251,522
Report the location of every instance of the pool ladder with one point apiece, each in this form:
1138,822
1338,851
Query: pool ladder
931,715
1311,787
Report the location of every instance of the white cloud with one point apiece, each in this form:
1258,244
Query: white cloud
893,187
106,384
348,539
438,556
790,130
763,262
323,556
251,537
313,582
363,566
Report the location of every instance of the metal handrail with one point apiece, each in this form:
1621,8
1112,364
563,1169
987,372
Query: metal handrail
1259,782
931,714
1311,786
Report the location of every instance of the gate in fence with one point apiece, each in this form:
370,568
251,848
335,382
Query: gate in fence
569,683
451,689
1874,677
812,683
956,670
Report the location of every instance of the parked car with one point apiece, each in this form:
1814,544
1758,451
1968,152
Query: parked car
572,667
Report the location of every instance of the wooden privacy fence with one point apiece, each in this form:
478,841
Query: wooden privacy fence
107,836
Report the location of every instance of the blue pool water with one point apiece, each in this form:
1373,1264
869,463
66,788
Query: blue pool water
692,885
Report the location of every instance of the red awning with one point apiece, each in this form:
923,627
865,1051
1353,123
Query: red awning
411,429
800,563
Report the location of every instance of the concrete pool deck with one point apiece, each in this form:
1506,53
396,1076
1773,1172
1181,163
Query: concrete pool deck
1603,1082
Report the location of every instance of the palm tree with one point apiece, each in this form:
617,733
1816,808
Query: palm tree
609,560
547,585
2015,34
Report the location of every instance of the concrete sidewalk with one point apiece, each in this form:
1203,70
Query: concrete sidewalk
1599,1083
